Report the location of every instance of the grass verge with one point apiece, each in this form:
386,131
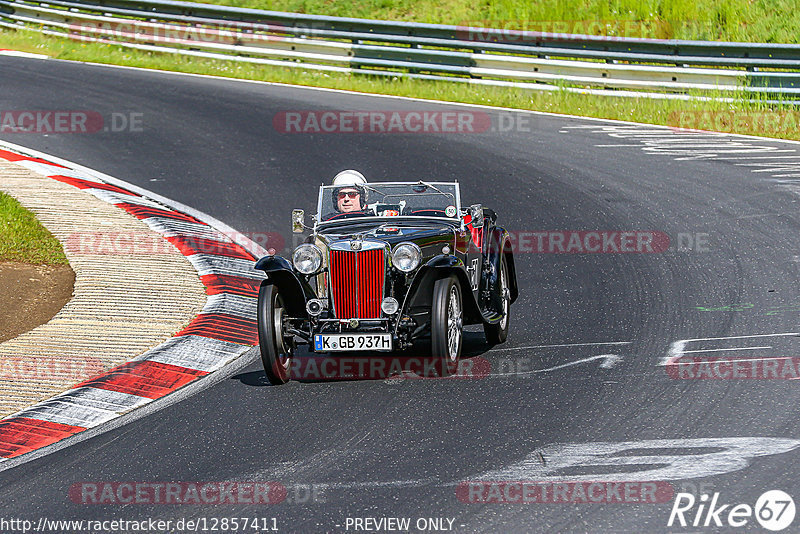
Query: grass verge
23,239
766,21
740,116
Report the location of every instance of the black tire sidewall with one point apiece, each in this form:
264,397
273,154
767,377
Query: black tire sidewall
495,334
267,298
439,314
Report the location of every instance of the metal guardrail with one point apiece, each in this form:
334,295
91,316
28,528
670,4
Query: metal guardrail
584,63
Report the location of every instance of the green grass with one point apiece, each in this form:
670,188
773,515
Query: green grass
771,21
750,118
23,239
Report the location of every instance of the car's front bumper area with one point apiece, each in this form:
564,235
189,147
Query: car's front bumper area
307,329
369,334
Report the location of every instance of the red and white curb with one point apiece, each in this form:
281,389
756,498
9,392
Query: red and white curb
222,332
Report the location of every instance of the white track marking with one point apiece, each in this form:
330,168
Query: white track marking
743,337
693,145
736,455
781,168
770,163
562,345
764,359
377,484
722,350
29,55
546,464
609,361
677,348
674,138
761,157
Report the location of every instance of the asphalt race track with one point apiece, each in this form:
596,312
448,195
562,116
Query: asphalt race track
579,392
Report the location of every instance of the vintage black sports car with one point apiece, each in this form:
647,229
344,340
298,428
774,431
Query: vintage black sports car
384,265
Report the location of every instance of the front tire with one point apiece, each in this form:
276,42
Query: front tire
498,333
447,320
276,349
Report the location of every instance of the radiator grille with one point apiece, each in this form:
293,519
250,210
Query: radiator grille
357,283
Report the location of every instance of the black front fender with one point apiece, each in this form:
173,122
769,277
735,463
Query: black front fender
421,288
499,247
295,292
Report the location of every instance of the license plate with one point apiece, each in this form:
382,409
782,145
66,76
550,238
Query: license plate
343,342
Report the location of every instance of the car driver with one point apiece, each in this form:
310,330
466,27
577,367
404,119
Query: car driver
348,199
349,196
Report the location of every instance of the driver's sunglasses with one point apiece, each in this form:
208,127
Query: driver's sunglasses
350,194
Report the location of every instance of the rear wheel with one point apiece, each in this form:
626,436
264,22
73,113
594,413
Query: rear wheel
446,324
276,348
498,333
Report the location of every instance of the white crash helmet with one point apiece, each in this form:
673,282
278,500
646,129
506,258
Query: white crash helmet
350,178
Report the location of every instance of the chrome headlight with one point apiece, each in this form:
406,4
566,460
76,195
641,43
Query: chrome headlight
307,258
406,257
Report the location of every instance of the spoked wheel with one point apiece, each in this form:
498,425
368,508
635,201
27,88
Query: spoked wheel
447,320
277,349
498,333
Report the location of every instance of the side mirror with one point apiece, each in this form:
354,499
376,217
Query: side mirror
298,216
476,212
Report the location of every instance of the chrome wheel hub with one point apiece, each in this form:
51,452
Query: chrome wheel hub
284,351
454,324
506,296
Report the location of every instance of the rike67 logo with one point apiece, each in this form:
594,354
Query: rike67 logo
774,510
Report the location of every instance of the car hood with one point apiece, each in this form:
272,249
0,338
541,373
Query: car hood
392,232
